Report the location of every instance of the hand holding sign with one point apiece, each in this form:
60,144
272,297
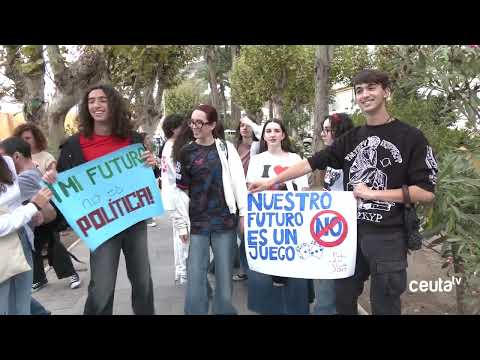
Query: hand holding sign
149,158
301,234
260,185
50,176
42,197
362,191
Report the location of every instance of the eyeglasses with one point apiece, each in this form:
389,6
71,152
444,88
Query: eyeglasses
197,123
327,130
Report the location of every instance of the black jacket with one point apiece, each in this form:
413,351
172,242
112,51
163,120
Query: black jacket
71,154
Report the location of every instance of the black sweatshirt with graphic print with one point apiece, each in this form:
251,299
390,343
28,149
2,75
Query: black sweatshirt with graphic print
383,157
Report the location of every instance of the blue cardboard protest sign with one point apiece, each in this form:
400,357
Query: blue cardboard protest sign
105,196
302,234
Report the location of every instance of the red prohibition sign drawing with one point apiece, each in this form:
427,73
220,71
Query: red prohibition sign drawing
318,236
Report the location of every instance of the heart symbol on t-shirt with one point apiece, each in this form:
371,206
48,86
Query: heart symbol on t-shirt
279,169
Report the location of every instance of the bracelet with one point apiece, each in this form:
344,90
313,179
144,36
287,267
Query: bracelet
36,205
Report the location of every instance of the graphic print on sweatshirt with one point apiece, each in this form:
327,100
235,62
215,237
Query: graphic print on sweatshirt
432,165
370,158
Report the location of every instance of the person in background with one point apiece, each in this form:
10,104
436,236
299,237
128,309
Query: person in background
333,127
16,291
172,126
248,145
29,180
46,235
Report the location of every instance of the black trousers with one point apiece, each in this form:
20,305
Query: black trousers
58,256
383,256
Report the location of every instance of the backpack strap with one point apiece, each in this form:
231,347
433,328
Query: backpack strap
226,147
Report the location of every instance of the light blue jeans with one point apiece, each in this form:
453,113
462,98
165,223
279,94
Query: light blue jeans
16,292
36,308
196,301
324,297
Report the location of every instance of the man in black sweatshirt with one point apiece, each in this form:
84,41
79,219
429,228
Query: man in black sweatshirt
377,159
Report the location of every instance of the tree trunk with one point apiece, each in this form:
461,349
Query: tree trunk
277,98
226,123
234,109
29,82
324,56
71,83
56,113
34,99
210,56
270,109
277,102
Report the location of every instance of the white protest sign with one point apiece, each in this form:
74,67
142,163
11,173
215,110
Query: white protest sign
302,234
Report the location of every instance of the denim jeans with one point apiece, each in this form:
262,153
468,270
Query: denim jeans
16,292
266,299
242,255
324,297
103,272
36,308
196,301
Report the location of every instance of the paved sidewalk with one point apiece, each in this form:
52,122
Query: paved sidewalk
169,298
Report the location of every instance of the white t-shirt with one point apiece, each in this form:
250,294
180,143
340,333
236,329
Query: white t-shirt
169,181
266,165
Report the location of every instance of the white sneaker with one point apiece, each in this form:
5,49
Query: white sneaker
75,281
152,223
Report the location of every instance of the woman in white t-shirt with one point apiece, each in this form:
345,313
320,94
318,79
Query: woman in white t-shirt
273,294
333,127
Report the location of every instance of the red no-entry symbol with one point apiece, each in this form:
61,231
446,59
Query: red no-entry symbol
318,236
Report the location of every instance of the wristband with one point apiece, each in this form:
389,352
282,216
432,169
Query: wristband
36,205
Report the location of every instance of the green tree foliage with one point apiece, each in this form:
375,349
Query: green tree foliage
449,71
348,60
434,87
265,72
184,97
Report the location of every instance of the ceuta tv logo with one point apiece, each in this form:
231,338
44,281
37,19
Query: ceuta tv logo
438,285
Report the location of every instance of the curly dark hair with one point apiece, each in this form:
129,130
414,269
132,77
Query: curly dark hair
340,123
119,113
286,144
40,139
184,137
170,123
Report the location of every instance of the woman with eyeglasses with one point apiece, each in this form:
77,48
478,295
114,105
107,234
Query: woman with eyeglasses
333,126
210,172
